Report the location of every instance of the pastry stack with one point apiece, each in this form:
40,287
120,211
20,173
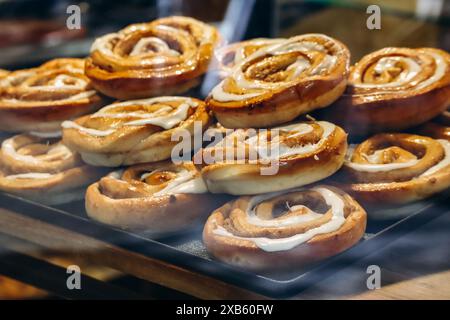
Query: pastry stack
274,187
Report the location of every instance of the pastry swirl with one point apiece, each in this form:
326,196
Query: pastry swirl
393,89
135,131
272,160
233,54
164,57
39,99
156,198
285,229
276,83
43,169
397,168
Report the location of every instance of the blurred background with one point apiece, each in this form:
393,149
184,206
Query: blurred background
32,31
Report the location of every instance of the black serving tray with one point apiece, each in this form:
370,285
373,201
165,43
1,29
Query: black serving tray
187,251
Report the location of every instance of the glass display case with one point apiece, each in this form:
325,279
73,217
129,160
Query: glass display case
358,204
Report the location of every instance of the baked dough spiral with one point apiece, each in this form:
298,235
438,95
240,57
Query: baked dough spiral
397,168
233,54
276,83
155,198
287,229
164,57
39,99
271,160
43,169
393,89
135,131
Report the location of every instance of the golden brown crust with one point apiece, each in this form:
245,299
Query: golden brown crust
129,201
109,137
39,99
43,170
242,251
391,95
163,57
267,89
410,182
286,171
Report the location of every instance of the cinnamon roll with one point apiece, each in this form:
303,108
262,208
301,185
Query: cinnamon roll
393,89
397,168
155,198
163,57
249,161
285,229
39,99
278,82
43,169
134,131
233,54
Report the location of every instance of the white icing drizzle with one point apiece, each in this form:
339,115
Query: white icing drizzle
185,182
253,219
277,149
239,52
283,244
300,66
166,122
407,75
374,167
89,131
75,86
31,176
57,151
106,43
174,115
443,163
155,45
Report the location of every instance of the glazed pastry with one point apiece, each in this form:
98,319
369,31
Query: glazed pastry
277,83
3,72
248,161
284,230
155,198
136,131
163,57
43,169
39,99
393,89
233,54
397,168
